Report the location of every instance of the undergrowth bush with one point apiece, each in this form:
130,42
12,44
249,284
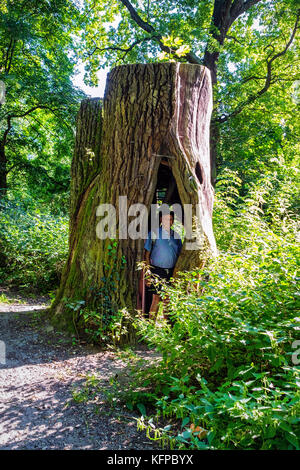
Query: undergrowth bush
229,363
33,245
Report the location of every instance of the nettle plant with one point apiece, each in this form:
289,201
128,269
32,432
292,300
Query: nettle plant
228,364
33,244
232,344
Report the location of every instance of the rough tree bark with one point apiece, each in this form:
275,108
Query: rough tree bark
3,161
149,110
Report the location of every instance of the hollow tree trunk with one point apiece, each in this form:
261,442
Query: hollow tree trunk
86,163
149,110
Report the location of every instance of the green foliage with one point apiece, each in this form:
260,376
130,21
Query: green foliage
105,326
228,363
34,245
38,57
89,390
114,38
6,300
105,323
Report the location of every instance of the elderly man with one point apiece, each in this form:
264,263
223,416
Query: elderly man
161,256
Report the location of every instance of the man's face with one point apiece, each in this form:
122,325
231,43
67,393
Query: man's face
167,220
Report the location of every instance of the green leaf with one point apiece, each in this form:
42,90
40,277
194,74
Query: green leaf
185,421
141,408
292,438
187,434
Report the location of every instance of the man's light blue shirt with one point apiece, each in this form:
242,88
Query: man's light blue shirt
166,248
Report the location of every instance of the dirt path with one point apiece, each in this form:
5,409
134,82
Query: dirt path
41,369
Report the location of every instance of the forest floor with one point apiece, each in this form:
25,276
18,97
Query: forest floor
39,372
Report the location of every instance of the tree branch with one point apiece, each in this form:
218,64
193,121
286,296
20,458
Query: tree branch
6,132
12,167
40,106
189,56
11,116
9,55
136,17
239,7
27,165
268,78
126,50
252,77
234,38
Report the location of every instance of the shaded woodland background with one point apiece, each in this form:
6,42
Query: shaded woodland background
228,362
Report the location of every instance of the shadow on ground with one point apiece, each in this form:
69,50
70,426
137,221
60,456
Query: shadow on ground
40,372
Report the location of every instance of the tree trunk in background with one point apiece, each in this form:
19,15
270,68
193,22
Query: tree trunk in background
225,12
149,110
211,62
3,172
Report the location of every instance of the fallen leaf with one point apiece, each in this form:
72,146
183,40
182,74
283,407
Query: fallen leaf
198,431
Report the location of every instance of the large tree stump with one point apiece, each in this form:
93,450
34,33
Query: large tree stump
155,119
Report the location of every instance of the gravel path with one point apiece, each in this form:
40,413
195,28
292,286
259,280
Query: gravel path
36,381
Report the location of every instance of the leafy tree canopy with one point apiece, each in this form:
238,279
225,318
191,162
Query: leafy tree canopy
37,59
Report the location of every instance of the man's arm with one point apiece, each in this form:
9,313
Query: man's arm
147,257
147,261
147,248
